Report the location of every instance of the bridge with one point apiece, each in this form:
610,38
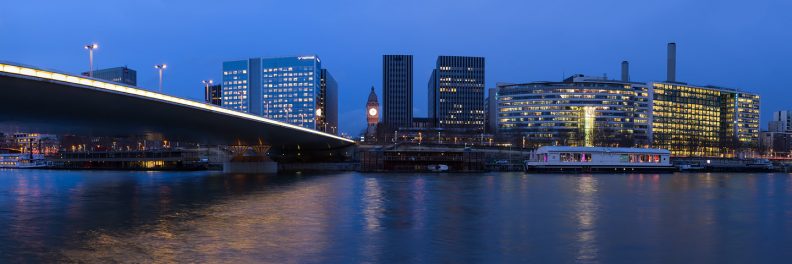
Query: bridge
49,101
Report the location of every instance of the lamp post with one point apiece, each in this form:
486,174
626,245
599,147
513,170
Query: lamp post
207,94
160,68
91,48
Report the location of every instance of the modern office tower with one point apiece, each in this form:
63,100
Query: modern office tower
456,93
693,120
235,84
327,106
579,111
704,120
781,122
118,74
287,89
397,90
490,111
214,94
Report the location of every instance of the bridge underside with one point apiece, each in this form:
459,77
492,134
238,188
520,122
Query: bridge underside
47,106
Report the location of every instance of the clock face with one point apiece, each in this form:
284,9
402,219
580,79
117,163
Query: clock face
373,111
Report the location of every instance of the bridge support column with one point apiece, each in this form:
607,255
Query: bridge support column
250,159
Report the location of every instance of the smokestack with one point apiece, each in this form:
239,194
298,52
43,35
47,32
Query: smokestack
625,76
671,74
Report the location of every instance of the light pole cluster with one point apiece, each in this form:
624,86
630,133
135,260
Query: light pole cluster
160,67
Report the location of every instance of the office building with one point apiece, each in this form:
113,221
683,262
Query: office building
397,90
578,111
775,144
694,120
491,111
327,103
781,122
122,75
287,89
456,93
213,94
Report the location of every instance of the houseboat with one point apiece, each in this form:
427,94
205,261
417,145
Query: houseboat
599,159
17,160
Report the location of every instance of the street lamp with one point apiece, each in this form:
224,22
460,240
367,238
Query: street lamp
207,94
91,48
160,68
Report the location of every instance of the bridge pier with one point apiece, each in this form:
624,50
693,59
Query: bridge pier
250,159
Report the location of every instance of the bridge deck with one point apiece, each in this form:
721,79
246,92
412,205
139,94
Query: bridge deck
52,102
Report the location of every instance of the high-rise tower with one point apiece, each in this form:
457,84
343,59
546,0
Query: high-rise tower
397,90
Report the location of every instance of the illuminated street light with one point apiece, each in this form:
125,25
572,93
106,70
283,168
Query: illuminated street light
91,48
207,95
160,67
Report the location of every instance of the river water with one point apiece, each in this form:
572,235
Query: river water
208,217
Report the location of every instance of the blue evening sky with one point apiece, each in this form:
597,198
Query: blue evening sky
742,44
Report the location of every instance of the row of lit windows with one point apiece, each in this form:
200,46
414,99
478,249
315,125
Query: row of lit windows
300,80
235,72
288,74
287,85
235,82
284,69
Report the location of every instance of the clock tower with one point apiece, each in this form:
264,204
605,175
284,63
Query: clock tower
372,113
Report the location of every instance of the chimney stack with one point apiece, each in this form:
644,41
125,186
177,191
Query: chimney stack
671,74
625,74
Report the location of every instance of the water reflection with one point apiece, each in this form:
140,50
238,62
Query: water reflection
373,208
144,217
587,208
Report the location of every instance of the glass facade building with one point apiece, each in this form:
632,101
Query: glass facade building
214,95
781,122
579,111
235,85
327,112
704,120
118,74
456,93
287,89
397,90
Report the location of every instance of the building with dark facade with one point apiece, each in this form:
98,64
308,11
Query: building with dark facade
214,95
327,103
286,89
456,93
397,90
781,122
118,74
491,111
775,144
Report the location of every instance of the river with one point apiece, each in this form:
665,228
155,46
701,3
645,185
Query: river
349,217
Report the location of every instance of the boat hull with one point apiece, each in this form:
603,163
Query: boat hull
600,169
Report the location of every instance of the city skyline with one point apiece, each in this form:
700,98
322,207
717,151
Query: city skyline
749,55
